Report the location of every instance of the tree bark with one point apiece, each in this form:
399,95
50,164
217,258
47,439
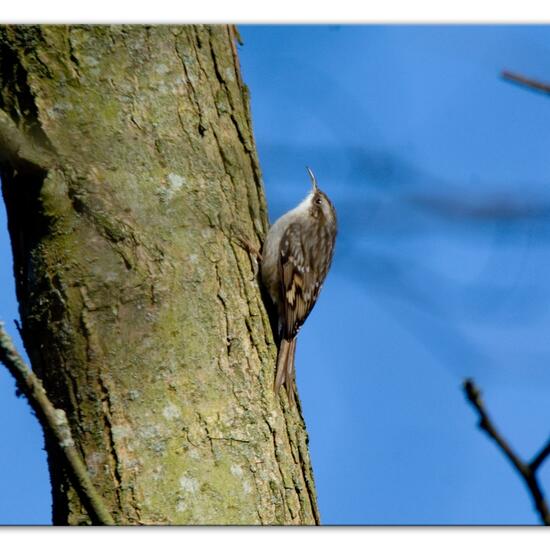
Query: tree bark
131,179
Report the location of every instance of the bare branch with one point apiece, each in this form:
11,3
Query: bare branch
474,396
56,422
539,459
524,81
526,470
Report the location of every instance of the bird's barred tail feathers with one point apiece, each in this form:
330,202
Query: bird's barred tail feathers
285,368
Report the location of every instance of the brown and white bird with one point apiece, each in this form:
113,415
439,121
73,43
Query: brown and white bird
296,257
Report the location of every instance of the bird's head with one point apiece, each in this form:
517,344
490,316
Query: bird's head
319,204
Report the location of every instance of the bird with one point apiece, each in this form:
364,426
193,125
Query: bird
296,257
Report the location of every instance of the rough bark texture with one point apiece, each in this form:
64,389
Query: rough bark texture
129,173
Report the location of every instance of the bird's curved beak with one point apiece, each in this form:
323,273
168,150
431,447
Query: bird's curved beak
313,178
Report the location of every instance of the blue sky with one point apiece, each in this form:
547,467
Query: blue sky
439,171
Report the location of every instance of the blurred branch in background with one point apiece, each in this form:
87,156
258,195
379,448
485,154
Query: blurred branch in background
528,82
527,470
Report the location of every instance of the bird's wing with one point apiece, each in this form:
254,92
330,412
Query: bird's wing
299,289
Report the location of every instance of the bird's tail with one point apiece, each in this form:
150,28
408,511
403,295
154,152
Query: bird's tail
285,367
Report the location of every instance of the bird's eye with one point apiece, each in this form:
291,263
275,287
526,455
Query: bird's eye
318,201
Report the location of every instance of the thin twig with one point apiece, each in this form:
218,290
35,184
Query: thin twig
526,470
54,420
539,459
524,81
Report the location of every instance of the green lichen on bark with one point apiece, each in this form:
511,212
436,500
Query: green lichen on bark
141,311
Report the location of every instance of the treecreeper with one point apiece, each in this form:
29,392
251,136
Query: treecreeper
296,257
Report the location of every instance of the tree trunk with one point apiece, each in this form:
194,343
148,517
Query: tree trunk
131,181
